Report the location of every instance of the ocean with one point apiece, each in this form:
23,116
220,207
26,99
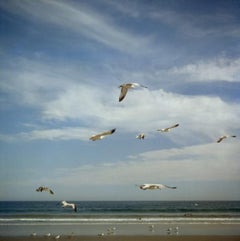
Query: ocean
92,217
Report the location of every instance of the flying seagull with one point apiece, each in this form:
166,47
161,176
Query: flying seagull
154,186
72,205
140,136
168,128
42,188
102,135
125,87
223,137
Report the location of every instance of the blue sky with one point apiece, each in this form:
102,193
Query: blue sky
61,65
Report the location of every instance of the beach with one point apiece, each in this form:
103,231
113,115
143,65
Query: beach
128,238
121,232
119,221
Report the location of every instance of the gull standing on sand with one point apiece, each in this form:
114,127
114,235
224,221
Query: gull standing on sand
154,186
102,135
140,136
42,188
125,87
223,137
168,128
72,205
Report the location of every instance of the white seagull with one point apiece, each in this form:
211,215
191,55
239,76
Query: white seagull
154,186
140,136
125,87
168,128
72,205
223,137
102,135
42,188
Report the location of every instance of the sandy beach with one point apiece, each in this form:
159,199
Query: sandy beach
127,238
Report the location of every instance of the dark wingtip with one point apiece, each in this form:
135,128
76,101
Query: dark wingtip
113,130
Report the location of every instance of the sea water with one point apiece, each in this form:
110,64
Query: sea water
131,217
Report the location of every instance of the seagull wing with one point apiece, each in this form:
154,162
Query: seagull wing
152,186
95,137
75,208
170,187
102,135
176,125
110,132
221,138
50,191
123,93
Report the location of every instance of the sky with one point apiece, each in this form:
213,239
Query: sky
61,66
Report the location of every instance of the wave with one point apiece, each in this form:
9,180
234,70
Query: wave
132,220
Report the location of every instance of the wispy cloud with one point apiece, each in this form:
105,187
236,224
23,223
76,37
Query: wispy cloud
197,24
68,133
207,162
80,19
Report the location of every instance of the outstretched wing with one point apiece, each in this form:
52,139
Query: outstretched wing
50,191
221,138
96,137
123,93
102,135
170,187
75,208
176,125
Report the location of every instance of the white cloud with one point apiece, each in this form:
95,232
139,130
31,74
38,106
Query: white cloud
193,163
201,118
211,70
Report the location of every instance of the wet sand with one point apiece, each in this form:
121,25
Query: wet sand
126,238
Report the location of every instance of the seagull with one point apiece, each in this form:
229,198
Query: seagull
140,136
102,135
42,188
154,186
72,205
125,87
223,137
168,128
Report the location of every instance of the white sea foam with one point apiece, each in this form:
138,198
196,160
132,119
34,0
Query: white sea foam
160,220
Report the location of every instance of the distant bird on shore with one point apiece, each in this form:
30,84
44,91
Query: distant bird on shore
125,87
223,137
102,135
168,128
140,136
42,188
154,186
72,205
